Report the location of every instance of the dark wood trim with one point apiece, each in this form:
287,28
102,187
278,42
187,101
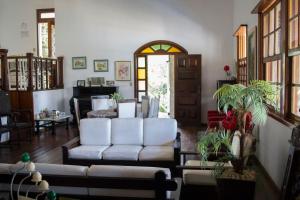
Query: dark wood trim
4,69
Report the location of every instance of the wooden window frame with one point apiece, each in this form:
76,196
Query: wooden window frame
242,64
50,22
263,6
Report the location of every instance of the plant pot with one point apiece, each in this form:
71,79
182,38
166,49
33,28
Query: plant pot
234,186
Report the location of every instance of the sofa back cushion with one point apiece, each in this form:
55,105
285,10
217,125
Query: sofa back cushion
95,131
127,131
159,131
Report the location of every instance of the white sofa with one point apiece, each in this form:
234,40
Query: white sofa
97,181
125,141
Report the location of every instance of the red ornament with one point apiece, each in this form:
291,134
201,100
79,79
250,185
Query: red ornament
226,68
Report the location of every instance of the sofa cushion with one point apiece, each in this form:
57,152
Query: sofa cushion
54,169
200,177
122,152
159,131
5,168
127,131
165,153
95,131
87,152
125,172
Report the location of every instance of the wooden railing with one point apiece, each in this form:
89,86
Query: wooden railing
29,73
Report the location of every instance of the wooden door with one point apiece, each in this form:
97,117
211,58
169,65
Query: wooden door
188,89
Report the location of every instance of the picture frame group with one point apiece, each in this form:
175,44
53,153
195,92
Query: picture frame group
122,68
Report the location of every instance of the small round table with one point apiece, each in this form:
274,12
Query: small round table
102,114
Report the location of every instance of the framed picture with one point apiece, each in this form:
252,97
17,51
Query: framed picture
81,83
96,81
123,70
100,65
110,83
252,52
79,62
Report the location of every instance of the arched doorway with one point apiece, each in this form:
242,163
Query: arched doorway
164,68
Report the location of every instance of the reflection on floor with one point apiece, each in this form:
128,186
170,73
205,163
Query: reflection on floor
46,148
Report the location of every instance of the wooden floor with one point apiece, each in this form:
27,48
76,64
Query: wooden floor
46,148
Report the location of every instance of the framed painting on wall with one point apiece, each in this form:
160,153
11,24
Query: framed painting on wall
123,70
252,52
100,65
79,62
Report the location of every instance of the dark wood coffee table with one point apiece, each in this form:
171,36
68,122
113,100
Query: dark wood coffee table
51,122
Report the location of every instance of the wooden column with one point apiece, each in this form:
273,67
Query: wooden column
60,70
3,69
29,68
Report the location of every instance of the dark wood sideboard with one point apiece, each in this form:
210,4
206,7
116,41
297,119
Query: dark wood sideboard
83,94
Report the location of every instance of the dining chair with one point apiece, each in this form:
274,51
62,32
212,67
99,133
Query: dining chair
100,102
77,112
154,108
127,108
145,106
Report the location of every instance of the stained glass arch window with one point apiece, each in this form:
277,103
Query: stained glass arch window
161,47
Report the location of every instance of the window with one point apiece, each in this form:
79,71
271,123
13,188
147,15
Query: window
272,65
46,32
241,36
294,57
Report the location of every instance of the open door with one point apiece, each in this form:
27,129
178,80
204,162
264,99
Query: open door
188,89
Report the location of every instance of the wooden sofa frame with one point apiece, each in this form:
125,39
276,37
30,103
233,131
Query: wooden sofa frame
87,162
160,184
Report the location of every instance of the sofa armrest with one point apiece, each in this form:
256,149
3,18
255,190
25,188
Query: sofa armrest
177,148
65,148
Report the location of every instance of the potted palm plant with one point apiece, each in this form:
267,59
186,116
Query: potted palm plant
244,107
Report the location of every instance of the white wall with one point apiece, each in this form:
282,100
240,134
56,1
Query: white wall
18,24
51,99
114,29
272,146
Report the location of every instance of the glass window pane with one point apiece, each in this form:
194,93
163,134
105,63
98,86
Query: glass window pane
43,39
174,50
266,24
278,15
296,70
141,74
293,33
47,15
271,44
141,85
165,47
279,71
140,94
295,101
156,47
268,71
266,45
148,50
277,42
293,8
272,20
274,72
141,62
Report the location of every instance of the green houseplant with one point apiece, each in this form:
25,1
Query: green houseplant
244,107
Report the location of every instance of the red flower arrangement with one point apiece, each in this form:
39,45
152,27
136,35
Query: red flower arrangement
230,122
227,70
